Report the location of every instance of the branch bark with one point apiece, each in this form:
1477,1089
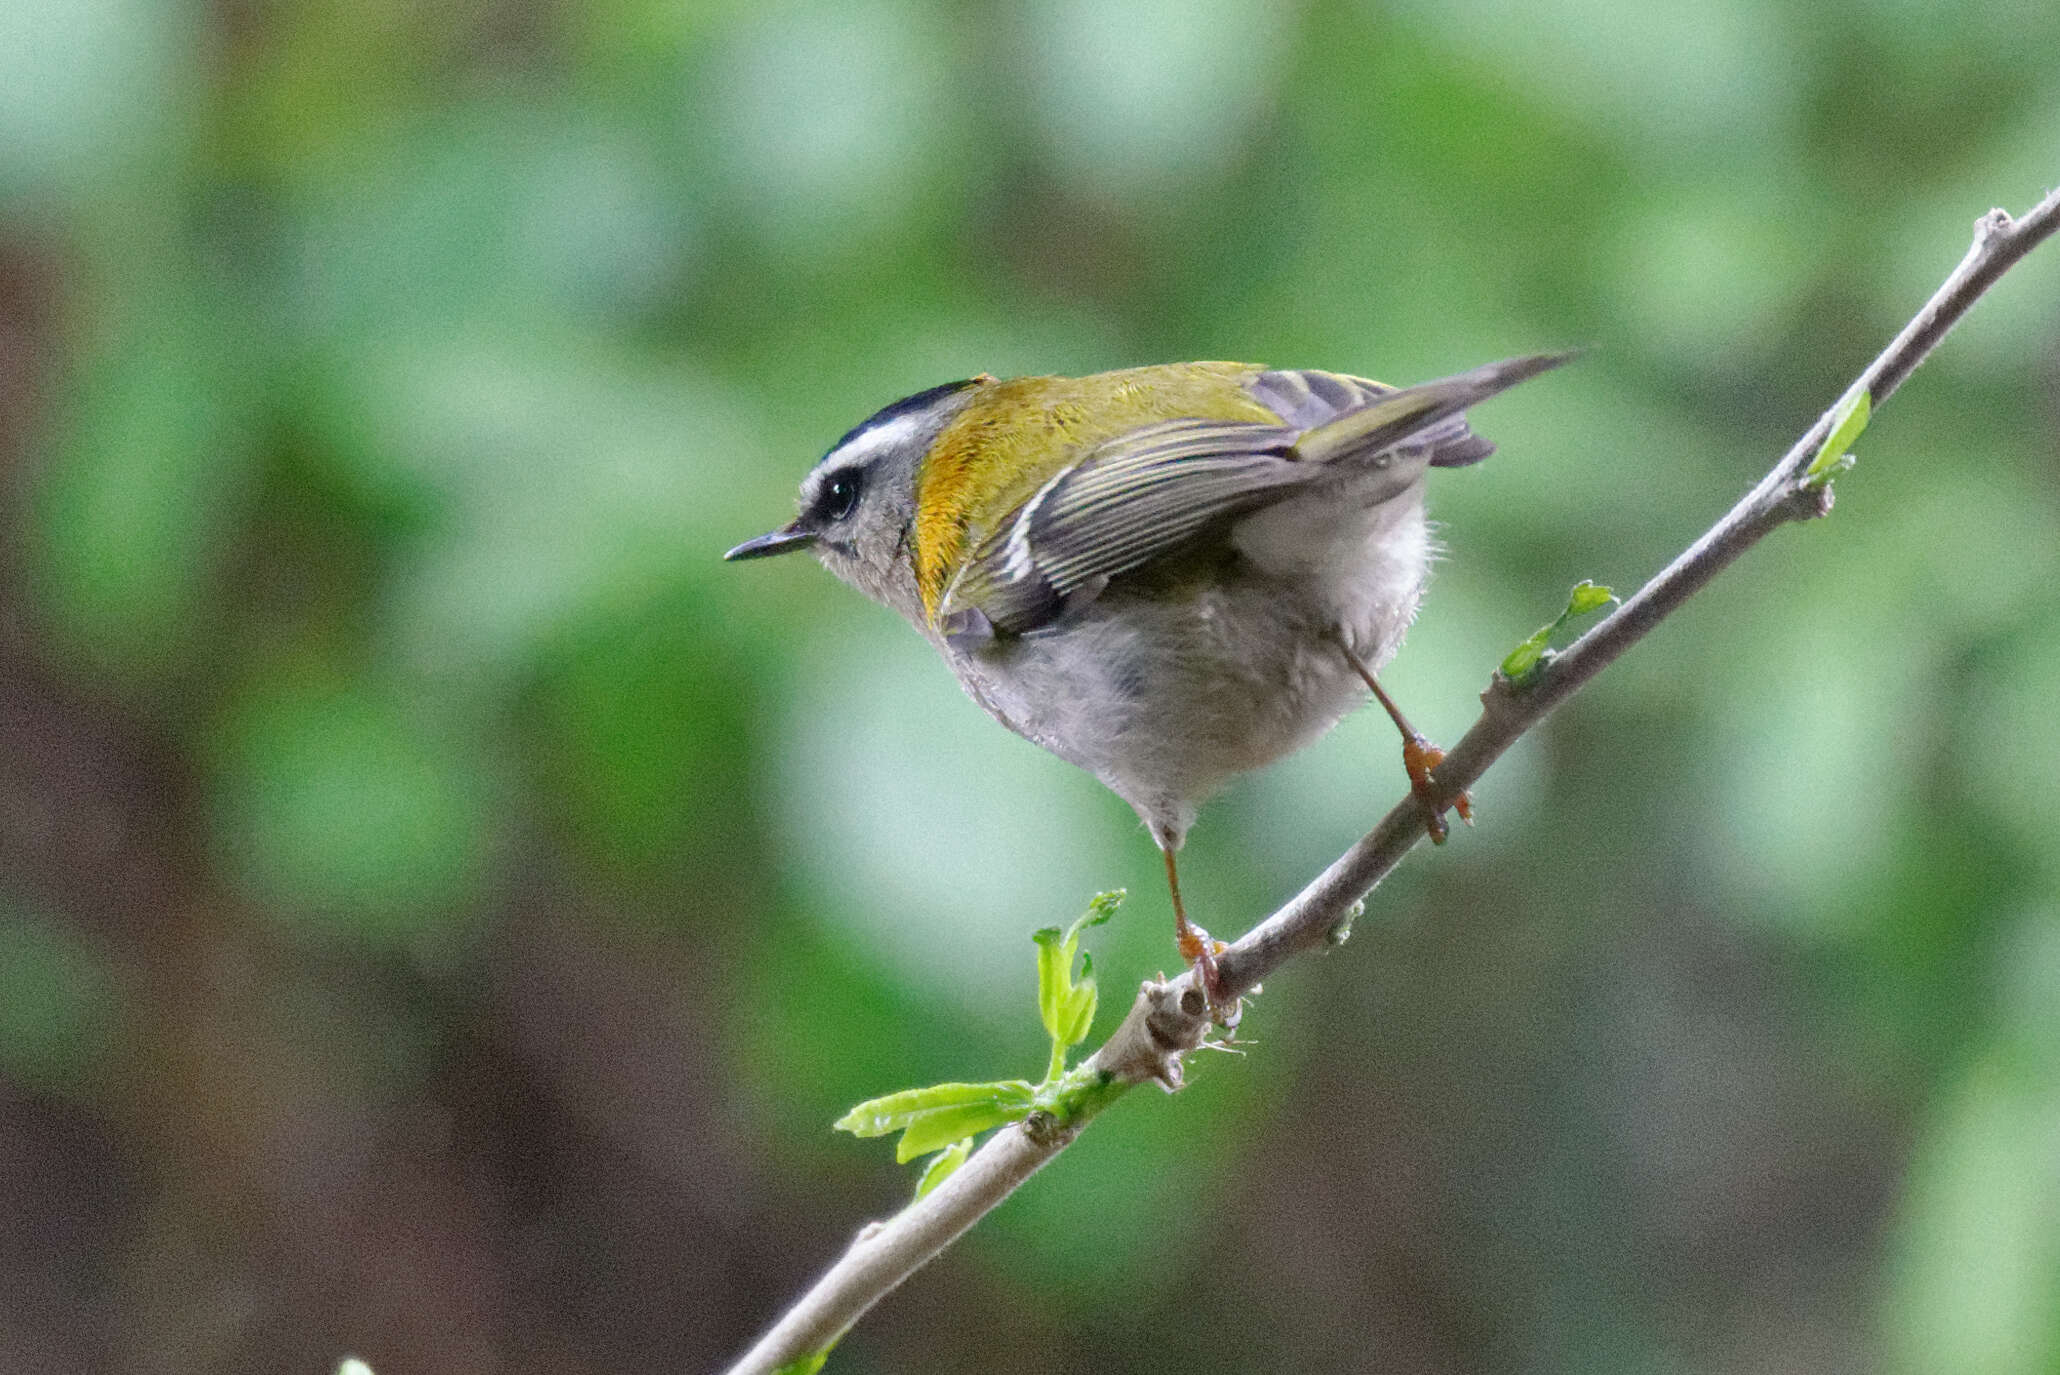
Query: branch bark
1170,1018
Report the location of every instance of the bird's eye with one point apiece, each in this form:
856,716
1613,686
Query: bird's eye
840,496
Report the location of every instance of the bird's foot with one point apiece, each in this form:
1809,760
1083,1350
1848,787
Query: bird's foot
1200,950
1420,757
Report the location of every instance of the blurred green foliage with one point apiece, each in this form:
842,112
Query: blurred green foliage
443,904
57,1005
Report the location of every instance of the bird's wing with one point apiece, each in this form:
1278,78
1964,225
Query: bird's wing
1307,399
1120,506
1158,490
1429,414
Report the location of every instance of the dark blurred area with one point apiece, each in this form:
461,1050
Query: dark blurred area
442,906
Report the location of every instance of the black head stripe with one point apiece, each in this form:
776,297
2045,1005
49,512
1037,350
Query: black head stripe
907,405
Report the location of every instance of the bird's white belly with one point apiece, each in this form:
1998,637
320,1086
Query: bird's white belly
1165,698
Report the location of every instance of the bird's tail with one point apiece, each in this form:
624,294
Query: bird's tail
1416,413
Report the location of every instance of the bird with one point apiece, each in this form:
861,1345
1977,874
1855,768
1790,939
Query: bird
1166,575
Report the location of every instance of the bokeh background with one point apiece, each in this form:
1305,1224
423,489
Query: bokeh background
442,906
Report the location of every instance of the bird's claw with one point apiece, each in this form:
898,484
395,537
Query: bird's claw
1420,757
1200,950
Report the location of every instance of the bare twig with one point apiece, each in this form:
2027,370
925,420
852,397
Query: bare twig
1170,1018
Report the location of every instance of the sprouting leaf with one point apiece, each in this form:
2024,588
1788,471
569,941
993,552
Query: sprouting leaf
1588,596
893,1111
1066,1006
943,1165
936,1130
1524,660
1052,979
944,1118
1846,424
1521,660
1101,907
929,1118
1079,1015
806,1365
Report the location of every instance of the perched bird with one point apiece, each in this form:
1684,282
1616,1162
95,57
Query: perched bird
1167,575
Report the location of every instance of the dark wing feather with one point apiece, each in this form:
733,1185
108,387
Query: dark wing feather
1128,502
1430,413
1306,398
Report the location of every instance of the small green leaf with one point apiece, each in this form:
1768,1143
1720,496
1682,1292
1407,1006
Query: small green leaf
1847,422
897,1111
1079,1015
1101,907
945,1117
1521,660
1067,1007
807,1365
1524,660
1588,596
943,1165
1052,978
934,1131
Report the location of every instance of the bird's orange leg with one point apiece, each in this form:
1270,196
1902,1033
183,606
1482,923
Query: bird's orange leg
1198,949
1419,756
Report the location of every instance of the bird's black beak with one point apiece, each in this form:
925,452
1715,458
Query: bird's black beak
784,540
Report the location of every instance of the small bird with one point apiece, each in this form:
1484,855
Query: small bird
1167,575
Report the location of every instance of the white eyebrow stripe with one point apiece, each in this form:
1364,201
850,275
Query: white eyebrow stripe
858,452
861,447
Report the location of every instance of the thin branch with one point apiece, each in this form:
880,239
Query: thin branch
1170,1019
